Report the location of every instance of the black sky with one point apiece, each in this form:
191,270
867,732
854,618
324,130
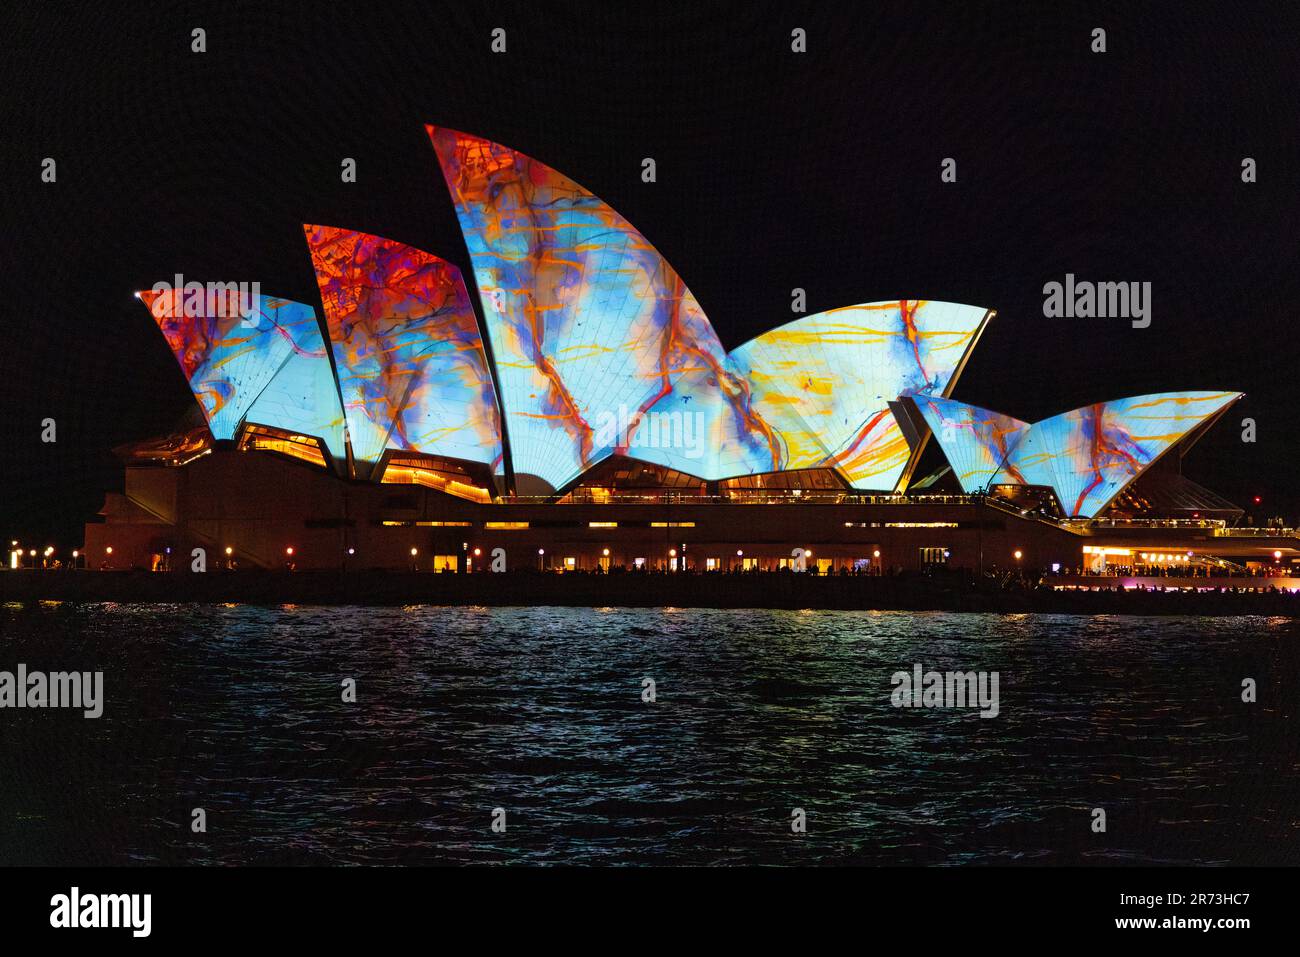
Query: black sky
775,170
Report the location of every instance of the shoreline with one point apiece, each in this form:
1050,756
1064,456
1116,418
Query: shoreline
952,593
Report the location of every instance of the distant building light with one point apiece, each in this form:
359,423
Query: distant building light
289,550
602,524
1019,554
672,524
502,526
478,551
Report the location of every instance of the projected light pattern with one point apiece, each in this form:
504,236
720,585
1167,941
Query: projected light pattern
303,396
1090,454
269,366
590,326
823,382
601,348
410,361
976,442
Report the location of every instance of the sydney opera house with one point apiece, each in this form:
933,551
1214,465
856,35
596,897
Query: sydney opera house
580,413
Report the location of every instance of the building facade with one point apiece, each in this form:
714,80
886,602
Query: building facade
587,418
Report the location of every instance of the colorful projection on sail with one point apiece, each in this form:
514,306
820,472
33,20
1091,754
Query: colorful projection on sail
823,383
264,364
976,442
1090,454
589,325
1086,456
411,365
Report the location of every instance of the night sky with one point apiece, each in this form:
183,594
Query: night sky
775,170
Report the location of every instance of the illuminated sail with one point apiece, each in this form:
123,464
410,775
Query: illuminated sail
267,365
1090,454
976,442
410,360
589,325
823,383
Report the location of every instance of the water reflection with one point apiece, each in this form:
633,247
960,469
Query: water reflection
239,709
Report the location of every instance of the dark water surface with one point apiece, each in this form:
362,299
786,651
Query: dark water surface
238,710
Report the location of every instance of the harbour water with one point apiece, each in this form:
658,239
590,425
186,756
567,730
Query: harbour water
542,713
